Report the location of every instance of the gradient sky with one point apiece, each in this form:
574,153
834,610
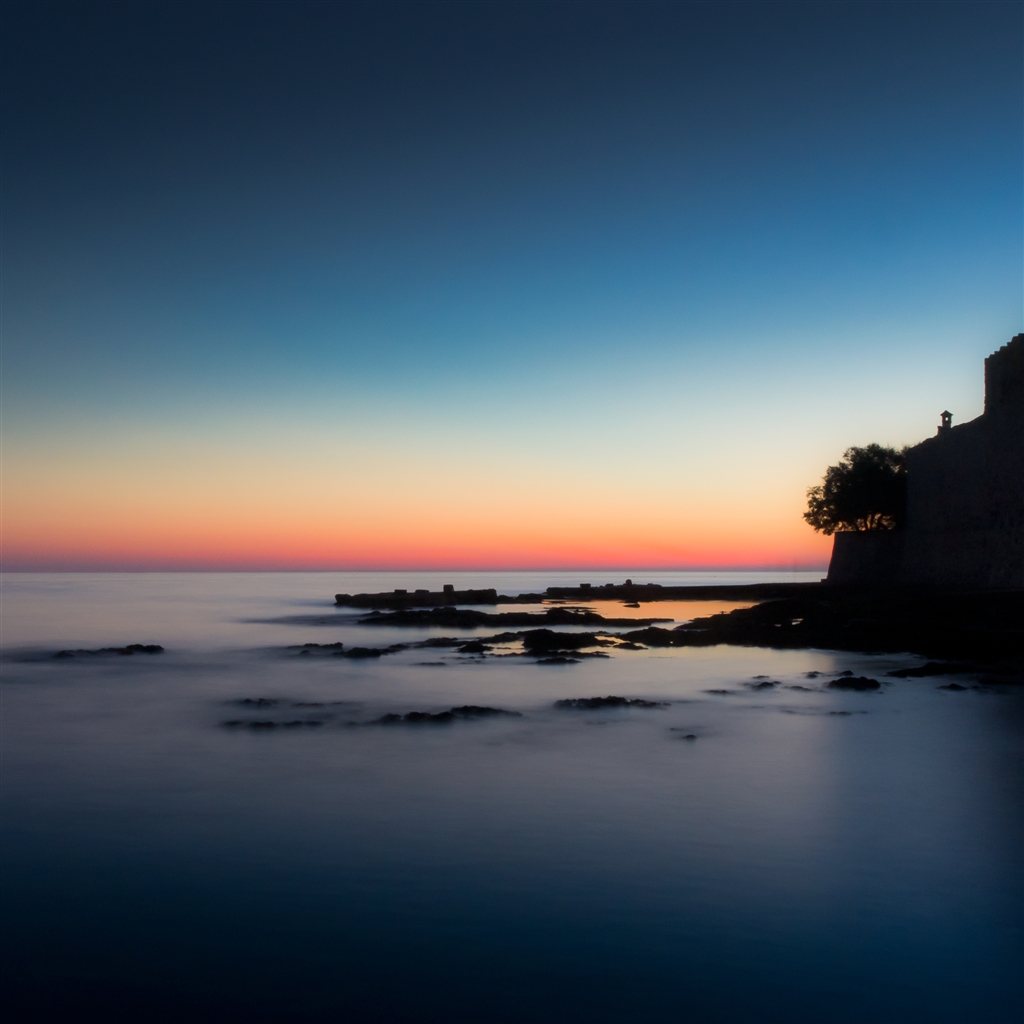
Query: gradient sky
306,285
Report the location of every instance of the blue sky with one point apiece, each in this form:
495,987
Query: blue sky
681,236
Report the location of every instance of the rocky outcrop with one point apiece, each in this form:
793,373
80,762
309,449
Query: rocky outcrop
470,618
123,651
422,598
596,703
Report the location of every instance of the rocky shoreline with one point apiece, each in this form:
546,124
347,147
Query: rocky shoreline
628,593
981,631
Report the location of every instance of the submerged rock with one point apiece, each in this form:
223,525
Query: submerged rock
474,647
593,703
129,650
362,652
370,652
852,682
470,618
657,636
547,641
464,712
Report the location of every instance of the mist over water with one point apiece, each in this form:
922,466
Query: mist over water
808,855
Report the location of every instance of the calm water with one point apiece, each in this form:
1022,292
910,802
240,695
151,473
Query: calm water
789,865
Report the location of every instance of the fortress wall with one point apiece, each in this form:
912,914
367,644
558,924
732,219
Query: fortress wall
1004,380
866,557
965,491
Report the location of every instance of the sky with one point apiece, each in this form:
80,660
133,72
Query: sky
488,285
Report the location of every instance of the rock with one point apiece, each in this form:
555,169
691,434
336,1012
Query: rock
371,652
559,659
951,686
593,703
474,647
361,652
124,651
476,711
766,684
852,682
656,636
548,641
464,712
470,618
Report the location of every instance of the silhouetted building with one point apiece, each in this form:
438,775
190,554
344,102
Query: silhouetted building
965,500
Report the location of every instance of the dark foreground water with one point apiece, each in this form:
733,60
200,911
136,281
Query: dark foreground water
812,856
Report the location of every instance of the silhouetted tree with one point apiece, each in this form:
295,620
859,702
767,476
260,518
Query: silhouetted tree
866,491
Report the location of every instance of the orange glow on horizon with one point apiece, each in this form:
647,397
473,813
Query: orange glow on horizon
188,509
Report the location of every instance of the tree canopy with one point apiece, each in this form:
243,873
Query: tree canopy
866,491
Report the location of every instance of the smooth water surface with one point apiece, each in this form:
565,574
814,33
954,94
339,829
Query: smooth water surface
811,855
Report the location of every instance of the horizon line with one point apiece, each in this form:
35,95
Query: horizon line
449,569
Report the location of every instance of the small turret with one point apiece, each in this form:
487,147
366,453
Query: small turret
947,422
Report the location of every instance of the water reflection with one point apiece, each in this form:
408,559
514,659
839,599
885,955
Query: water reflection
789,864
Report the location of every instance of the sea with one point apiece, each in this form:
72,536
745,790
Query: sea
228,831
